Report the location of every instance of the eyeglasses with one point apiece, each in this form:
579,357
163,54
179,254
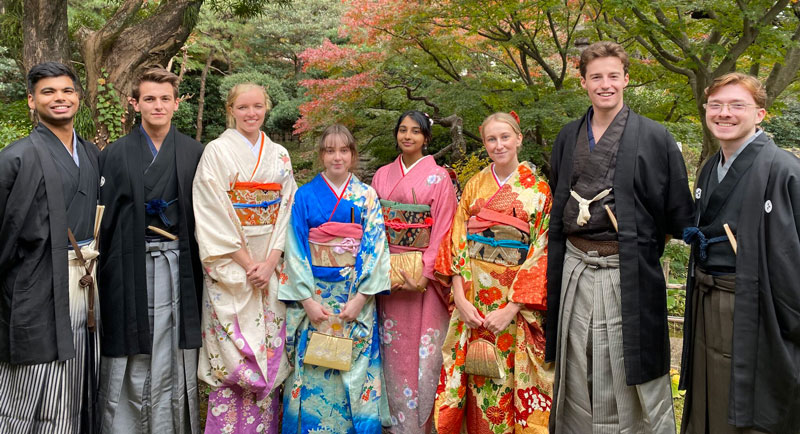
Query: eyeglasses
734,107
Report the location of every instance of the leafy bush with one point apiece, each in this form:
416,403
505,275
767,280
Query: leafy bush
14,122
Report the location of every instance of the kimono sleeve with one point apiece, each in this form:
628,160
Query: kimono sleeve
783,279
288,189
679,206
217,230
458,235
16,199
530,284
373,275
443,209
297,280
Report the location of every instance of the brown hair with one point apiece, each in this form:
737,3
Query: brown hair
345,134
156,75
749,82
501,117
238,90
603,49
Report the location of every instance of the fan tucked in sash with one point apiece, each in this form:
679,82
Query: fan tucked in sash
407,226
333,244
498,238
256,203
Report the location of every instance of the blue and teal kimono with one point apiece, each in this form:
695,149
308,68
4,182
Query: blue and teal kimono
318,399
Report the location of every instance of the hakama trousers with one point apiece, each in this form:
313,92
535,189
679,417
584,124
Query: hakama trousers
706,406
154,393
56,397
591,394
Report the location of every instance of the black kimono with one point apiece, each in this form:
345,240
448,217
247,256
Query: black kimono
765,365
652,200
121,272
42,192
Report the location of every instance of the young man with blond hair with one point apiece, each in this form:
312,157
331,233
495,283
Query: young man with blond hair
741,354
151,271
619,189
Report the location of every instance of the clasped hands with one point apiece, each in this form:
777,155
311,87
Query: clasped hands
317,312
409,284
259,273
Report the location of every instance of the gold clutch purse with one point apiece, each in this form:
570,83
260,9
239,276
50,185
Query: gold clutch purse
329,351
482,359
410,262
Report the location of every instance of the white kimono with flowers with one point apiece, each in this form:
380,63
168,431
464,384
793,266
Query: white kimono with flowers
244,330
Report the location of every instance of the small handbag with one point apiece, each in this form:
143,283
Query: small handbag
482,359
329,351
411,263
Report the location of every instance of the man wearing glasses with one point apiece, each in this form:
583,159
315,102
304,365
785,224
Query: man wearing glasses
741,354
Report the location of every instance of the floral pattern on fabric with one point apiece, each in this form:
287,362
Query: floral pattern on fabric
519,402
256,206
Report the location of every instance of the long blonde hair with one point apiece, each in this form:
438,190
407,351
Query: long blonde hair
238,90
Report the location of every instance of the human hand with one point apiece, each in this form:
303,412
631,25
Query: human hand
409,284
260,273
498,320
316,312
353,307
469,313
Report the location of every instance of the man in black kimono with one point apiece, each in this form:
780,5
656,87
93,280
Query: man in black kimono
48,185
741,353
151,309
619,189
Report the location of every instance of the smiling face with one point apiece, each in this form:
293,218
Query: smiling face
605,80
55,100
336,157
157,104
410,139
736,120
249,110
502,143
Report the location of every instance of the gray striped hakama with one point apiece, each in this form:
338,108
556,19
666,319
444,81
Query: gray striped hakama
154,393
49,397
591,395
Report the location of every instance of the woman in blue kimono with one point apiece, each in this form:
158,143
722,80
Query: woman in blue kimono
336,260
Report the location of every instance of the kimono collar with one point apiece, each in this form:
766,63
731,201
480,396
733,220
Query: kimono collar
405,169
255,148
337,190
722,168
150,143
504,180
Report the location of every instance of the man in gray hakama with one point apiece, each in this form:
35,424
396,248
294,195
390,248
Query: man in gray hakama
619,186
49,352
149,368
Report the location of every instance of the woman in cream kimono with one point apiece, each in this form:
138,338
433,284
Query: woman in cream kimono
498,260
243,192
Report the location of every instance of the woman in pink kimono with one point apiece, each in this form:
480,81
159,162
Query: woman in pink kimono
418,202
243,192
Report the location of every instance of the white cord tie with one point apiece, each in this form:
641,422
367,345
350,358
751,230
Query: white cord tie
583,205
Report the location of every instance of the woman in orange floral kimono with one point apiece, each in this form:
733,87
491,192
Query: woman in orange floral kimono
498,260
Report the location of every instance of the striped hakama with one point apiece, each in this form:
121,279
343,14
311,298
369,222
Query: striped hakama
590,388
51,397
155,393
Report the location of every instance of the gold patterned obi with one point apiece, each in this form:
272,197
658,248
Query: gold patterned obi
407,225
256,203
334,244
499,238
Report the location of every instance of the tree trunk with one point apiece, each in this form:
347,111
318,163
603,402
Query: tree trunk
45,33
183,63
458,147
201,100
125,49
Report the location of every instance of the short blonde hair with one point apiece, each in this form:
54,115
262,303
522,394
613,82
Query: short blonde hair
345,134
501,117
238,90
749,82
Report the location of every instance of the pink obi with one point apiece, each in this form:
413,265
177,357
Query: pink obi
334,244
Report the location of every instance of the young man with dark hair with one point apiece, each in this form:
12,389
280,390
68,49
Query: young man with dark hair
619,189
741,352
48,200
151,274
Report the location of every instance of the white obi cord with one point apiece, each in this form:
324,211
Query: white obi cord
583,205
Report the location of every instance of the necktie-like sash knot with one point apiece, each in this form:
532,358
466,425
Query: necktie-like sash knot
583,205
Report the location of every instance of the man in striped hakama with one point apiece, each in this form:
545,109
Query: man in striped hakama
620,187
48,345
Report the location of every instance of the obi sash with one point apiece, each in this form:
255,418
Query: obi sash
498,238
407,225
334,244
256,203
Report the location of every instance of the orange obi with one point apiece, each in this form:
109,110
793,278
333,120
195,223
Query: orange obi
256,203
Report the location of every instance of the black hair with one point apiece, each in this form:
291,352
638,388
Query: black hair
48,70
425,124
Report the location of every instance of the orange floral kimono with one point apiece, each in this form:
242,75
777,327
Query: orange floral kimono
499,247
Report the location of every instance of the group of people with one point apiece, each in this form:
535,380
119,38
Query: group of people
516,305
